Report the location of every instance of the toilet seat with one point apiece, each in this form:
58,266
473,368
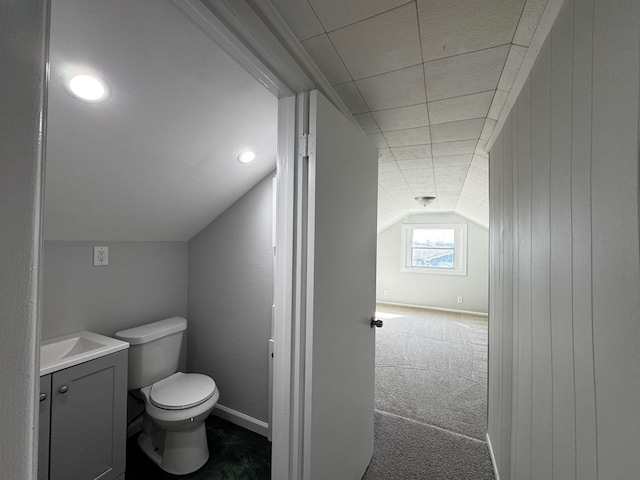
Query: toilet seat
182,390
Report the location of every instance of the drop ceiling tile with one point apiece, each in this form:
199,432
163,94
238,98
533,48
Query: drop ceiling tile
411,152
455,170
410,136
399,190
384,43
388,167
450,178
473,195
323,53
378,140
423,185
454,27
367,122
416,163
454,131
512,67
452,160
466,206
479,174
447,203
412,116
454,148
464,74
499,100
479,182
423,188
448,188
392,181
529,21
351,97
385,155
335,14
300,17
394,89
460,108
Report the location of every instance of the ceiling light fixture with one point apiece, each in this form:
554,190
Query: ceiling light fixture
247,156
424,201
88,87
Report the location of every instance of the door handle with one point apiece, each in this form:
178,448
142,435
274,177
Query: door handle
376,322
64,389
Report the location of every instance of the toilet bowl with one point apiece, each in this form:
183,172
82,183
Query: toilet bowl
174,434
176,404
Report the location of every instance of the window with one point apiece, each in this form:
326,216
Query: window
434,248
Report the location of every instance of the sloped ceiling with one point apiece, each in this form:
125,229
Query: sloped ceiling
157,160
427,81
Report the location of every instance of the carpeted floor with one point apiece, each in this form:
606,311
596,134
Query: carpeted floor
236,454
431,390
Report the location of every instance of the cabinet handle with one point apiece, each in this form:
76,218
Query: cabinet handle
64,389
43,397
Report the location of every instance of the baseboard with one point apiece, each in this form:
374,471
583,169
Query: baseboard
469,312
493,459
242,420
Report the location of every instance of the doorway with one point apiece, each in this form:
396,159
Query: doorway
431,363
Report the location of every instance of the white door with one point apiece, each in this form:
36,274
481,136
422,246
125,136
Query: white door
340,296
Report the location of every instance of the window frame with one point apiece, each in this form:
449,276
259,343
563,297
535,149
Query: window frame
460,248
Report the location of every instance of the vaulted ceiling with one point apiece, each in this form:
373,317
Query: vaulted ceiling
427,80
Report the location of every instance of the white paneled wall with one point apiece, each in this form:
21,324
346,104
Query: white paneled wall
564,366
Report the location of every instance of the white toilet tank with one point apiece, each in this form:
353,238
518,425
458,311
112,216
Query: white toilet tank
154,351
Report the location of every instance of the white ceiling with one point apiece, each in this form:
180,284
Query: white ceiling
157,160
427,81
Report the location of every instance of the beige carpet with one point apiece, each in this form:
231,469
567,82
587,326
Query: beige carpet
431,390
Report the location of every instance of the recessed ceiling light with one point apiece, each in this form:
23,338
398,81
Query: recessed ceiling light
88,87
247,156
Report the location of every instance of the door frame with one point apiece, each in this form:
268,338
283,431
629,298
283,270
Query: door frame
254,34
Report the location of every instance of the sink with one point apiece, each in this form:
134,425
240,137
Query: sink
75,348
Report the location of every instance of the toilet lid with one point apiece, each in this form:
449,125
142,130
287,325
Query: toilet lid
182,390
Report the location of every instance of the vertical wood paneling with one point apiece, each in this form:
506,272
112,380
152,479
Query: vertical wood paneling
541,448
506,331
564,439
522,451
495,310
585,414
568,214
516,288
614,167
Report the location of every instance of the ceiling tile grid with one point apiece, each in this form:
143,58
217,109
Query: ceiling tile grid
427,81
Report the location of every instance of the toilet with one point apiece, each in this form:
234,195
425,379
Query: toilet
176,404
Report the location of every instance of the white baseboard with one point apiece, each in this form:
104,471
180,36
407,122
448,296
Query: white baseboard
242,420
493,459
469,312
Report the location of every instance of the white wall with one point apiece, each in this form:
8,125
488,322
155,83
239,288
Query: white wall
434,290
230,298
144,282
22,53
564,371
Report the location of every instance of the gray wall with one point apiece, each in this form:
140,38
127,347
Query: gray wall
144,282
230,298
434,290
22,54
564,372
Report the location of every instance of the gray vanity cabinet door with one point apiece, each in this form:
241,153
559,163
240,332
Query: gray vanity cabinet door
88,420
43,429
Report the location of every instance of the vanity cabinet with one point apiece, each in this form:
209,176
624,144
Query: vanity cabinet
85,421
